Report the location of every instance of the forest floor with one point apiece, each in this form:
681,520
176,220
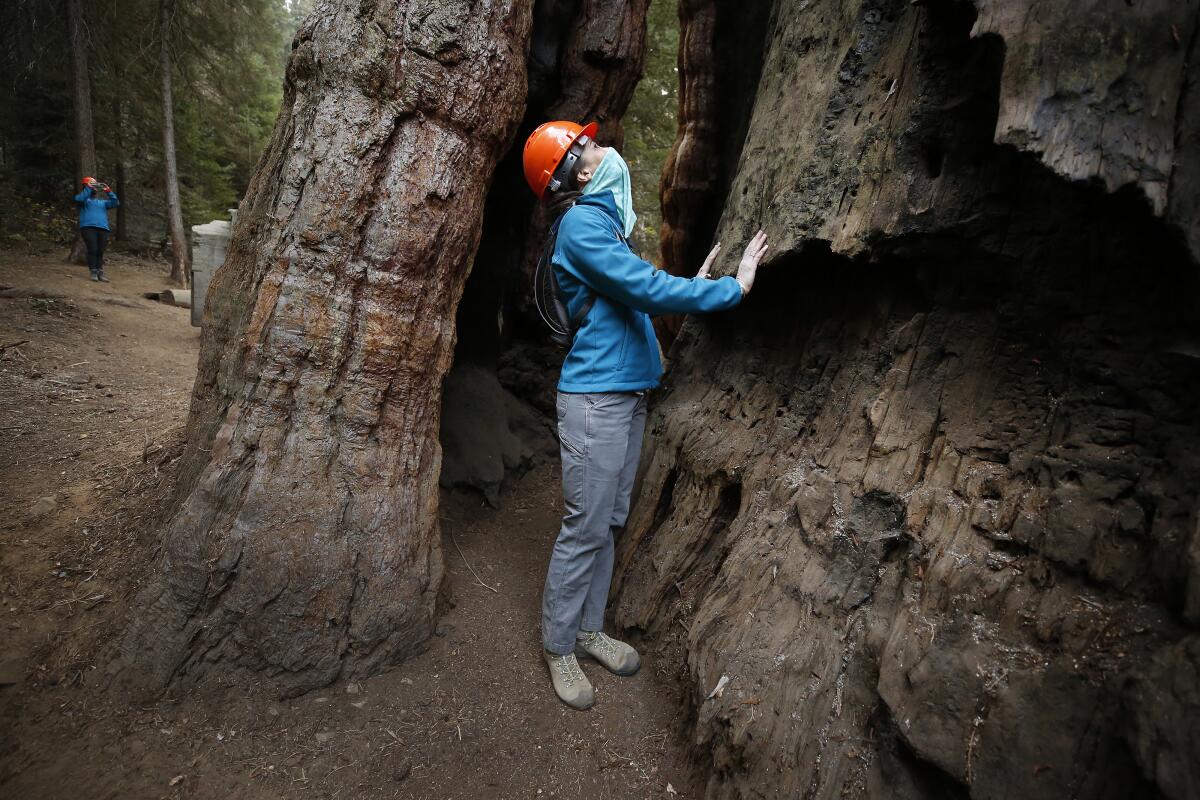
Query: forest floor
94,387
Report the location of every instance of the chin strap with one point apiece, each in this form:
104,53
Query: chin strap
566,168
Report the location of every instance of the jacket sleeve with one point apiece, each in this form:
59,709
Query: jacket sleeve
83,196
597,257
111,201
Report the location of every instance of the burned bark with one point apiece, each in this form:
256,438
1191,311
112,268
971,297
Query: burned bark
929,497
304,539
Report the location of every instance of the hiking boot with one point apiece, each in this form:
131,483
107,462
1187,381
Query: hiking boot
100,276
95,275
570,684
616,657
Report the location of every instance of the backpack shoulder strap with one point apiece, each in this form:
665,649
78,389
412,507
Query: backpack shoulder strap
548,294
588,301
580,315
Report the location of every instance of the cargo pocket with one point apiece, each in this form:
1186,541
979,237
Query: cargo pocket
567,445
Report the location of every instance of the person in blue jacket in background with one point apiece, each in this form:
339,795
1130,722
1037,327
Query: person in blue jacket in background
94,202
613,360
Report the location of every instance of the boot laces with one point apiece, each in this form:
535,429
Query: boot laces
599,641
568,668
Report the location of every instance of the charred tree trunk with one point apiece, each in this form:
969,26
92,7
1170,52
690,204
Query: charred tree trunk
179,244
305,541
927,502
81,104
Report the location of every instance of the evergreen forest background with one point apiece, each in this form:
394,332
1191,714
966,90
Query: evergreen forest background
227,62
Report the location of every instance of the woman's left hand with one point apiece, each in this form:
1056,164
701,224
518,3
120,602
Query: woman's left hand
708,262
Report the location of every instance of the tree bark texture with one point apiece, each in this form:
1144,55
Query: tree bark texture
714,107
81,103
179,243
928,499
305,540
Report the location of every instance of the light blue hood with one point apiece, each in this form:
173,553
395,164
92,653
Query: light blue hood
613,176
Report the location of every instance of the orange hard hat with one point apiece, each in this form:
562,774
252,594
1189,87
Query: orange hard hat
545,150
89,180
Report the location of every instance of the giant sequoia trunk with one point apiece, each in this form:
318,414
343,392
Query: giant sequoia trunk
305,539
928,499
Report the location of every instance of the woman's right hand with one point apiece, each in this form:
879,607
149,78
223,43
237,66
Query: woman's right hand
748,267
708,262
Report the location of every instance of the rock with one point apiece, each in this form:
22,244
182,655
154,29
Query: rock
486,432
42,507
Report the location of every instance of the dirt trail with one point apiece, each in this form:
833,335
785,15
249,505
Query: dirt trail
90,411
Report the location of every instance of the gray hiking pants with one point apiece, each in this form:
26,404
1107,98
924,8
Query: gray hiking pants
600,439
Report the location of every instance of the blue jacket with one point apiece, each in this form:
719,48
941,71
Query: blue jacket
614,349
93,211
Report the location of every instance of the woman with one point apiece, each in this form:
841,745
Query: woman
94,202
612,362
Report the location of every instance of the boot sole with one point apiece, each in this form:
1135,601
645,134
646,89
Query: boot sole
580,653
576,708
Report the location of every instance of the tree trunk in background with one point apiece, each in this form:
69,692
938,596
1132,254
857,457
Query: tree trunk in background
179,244
304,540
929,498
121,231
585,60
81,101
714,108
